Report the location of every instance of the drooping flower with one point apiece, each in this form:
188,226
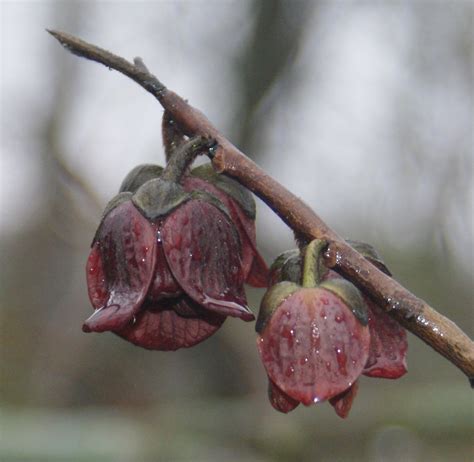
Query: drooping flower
237,200
313,338
316,340
165,267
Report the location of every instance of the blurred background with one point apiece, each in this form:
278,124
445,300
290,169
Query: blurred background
363,109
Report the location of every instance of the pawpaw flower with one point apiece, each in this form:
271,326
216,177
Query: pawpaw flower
317,335
165,267
237,200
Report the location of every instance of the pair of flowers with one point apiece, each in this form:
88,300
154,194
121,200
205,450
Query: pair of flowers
169,262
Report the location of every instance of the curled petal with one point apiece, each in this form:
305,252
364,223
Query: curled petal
342,403
96,284
388,345
279,399
124,257
313,347
203,253
172,324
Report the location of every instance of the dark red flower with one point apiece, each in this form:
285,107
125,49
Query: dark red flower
237,200
315,341
165,268
312,345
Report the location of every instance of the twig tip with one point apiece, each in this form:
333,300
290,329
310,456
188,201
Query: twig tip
53,32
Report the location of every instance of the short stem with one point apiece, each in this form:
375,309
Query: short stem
173,137
314,269
184,156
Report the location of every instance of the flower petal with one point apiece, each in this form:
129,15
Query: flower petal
172,324
279,399
342,403
96,285
388,342
313,347
254,267
164,285
203,253
126,242
388,345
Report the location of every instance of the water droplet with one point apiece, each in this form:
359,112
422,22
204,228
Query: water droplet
288,334
341,360
290,370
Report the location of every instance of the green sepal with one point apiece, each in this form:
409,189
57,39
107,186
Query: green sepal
139,176
350,295
273,298
231,187
369,252
288,264
157,198
114,202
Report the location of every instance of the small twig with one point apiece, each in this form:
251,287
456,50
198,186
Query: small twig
413,313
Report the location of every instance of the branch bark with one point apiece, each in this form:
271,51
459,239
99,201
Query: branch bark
414,314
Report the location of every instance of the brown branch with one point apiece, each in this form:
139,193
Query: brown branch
413,313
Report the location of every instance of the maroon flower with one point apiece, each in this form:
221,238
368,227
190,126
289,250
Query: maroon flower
316,340
237,200
165,267
313,347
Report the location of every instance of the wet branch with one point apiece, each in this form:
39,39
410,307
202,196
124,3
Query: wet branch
411,312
